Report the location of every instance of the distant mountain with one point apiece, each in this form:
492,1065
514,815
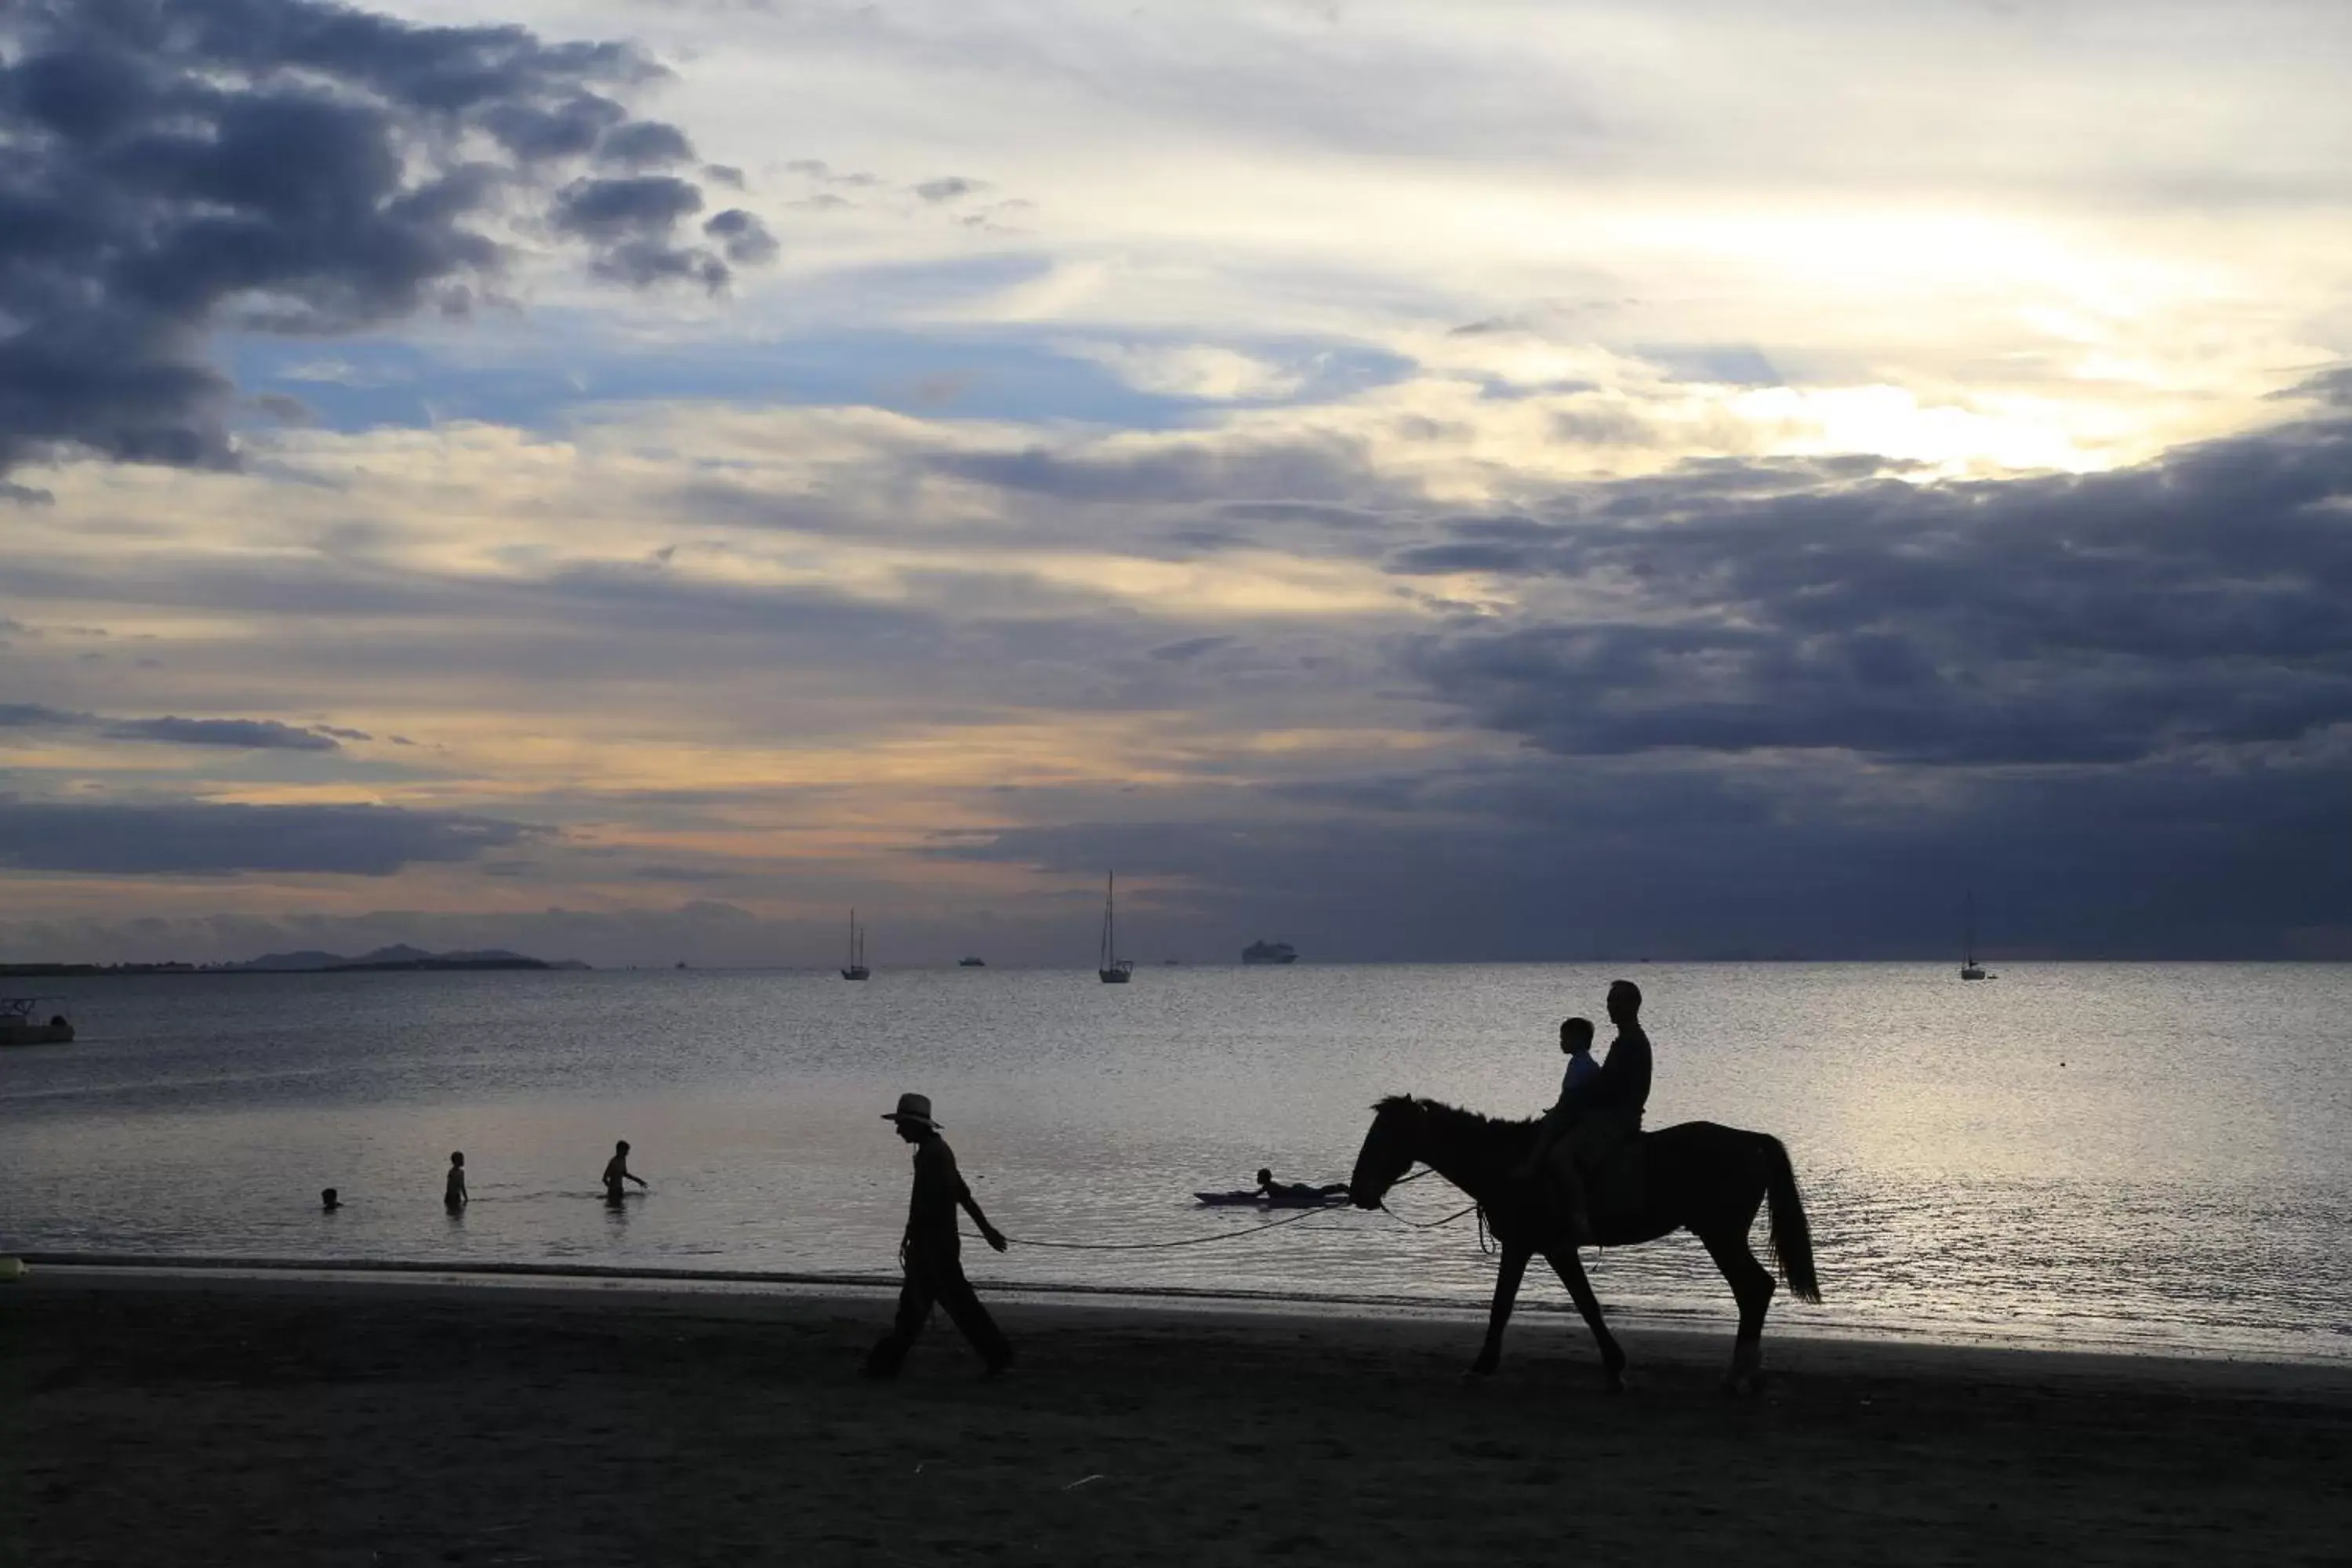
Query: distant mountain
309,958
397,956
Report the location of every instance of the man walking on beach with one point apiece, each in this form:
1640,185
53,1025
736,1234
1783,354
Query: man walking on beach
931,1253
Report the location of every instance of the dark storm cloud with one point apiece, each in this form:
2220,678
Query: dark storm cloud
175,165
1681,858
1795,707
2204,599
203,838
243,734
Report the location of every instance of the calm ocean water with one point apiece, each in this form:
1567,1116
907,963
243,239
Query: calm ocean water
2133,1156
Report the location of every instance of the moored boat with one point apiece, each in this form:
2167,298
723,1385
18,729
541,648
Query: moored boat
1109,968
19,1025
1969,968
856,968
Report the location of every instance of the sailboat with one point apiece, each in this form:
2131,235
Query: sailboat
1969,968
856,968
1109,968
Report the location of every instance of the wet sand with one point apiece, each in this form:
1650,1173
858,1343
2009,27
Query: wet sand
186,1419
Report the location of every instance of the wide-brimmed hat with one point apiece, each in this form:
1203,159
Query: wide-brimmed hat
914,1108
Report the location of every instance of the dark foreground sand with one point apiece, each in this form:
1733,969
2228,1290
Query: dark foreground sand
153,1420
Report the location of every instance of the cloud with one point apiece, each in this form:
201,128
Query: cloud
2204,599
203,838
646,144
244,734
952,187
249,735
177,167
1189,648
629,221
1199,370
1305,470
1688,857
743,237
617,209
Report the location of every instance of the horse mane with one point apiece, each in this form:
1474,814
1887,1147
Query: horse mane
1462,1118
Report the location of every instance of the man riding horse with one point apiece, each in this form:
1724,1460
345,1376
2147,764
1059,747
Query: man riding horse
1592,1127
1527,1179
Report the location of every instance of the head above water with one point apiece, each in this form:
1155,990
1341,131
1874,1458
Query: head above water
1575,1034
1625,1002
326,1199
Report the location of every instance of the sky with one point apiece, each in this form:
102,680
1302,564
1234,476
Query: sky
630,479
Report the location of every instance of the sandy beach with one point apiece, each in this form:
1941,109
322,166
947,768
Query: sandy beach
152,1418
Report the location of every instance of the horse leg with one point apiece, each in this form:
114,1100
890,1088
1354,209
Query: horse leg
1751,1285
1506,1293
1570,1268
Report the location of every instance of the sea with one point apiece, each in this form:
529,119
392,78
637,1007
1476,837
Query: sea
2132,1157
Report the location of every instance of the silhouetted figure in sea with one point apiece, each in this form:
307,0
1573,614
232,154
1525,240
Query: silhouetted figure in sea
616,1171
328,1202
1575,1082
931,1253
1297,1191
453,1196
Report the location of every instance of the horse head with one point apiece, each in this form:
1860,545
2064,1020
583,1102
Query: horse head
1390,1149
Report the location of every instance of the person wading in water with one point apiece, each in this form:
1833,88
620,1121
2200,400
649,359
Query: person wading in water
1598,1115
616,1171
932,1254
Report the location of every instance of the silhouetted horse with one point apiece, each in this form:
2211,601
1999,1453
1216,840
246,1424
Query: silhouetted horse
1708,1179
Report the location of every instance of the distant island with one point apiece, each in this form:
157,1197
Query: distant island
1263,952
307,960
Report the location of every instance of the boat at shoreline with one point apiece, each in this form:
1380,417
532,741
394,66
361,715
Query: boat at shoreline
18,1027
971,963
1263,951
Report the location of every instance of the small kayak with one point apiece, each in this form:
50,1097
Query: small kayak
1253,1198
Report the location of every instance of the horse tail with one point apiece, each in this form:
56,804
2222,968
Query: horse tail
1792,1236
